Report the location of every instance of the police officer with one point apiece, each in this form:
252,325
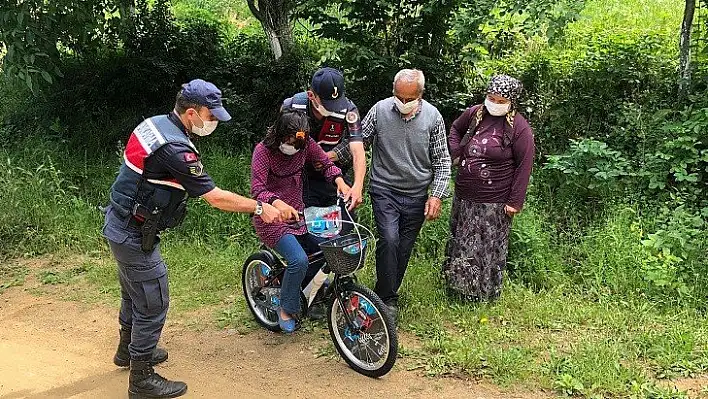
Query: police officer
161,169
336,126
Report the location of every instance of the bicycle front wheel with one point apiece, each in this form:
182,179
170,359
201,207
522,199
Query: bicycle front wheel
364,335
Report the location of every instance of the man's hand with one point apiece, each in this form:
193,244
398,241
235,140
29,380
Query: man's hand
355,196
332,157
433,207
511,211
270,214
287,212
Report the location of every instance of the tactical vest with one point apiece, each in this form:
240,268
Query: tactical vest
131,189
333,126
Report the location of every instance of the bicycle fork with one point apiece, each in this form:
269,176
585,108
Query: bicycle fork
341,290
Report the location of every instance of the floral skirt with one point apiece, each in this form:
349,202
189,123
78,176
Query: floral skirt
476,251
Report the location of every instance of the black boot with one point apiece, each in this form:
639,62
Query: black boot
146,383
122,357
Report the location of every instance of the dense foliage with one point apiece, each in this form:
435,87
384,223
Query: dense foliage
618,205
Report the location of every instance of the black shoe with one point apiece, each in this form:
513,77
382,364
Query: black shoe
146,383
122,357
392,310
318,311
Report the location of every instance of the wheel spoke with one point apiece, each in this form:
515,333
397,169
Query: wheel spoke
364,344
258,296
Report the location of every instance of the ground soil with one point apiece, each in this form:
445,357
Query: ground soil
54,348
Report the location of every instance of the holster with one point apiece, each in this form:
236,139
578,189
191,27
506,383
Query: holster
149,227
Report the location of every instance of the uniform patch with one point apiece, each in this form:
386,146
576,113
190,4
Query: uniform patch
352,117
190,157
331,131
196,169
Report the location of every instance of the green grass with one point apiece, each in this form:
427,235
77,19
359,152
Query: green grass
543,339
577,316
234,15
12,275
641,17
560,324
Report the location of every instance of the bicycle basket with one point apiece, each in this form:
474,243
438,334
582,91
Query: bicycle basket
344,254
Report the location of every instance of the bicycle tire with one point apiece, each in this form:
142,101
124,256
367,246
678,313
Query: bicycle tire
380,368
261,316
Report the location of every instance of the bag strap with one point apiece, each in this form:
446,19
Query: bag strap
477,116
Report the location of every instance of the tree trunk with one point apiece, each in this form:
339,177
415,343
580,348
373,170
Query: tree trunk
126,9
685,48
274,16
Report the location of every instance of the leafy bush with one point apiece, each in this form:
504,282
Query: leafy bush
674,253
590,166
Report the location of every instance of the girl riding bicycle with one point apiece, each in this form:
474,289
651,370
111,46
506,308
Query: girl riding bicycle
276,178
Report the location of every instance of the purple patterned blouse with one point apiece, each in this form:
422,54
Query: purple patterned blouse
275,175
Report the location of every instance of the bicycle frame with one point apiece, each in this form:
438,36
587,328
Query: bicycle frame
339,282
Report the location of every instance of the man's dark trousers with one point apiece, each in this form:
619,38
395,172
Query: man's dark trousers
399,219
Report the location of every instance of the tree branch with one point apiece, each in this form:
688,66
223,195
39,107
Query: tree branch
254,10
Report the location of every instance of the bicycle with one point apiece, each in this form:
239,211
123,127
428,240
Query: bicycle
363,333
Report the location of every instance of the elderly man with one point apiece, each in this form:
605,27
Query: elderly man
410,174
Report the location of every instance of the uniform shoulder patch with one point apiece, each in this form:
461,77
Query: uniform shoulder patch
196,169
190,157
352,116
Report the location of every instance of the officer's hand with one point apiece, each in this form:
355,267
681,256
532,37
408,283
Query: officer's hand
354,196
270,214
318,166
287,212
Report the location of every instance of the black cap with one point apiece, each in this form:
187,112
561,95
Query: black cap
207,94
328,84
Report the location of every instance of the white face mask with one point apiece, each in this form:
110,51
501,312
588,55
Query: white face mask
288,149
497,109
207,128
406,108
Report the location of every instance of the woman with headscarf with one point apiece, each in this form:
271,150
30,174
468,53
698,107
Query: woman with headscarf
493,145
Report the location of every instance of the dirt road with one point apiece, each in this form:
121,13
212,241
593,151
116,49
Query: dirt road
51,348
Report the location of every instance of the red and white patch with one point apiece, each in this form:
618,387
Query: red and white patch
190,157
331,132
352,117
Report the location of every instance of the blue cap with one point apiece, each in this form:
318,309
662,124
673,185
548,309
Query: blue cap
205,93
328,84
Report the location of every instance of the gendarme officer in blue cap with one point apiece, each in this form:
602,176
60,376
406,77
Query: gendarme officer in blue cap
161,170
336,126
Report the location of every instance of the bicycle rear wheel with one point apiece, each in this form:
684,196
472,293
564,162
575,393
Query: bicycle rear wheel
364,335
262,300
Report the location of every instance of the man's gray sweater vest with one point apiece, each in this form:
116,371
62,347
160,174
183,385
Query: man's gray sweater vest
401,149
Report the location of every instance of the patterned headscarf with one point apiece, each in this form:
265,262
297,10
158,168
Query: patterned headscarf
507,87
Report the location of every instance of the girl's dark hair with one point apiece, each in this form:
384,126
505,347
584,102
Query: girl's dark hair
288,124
